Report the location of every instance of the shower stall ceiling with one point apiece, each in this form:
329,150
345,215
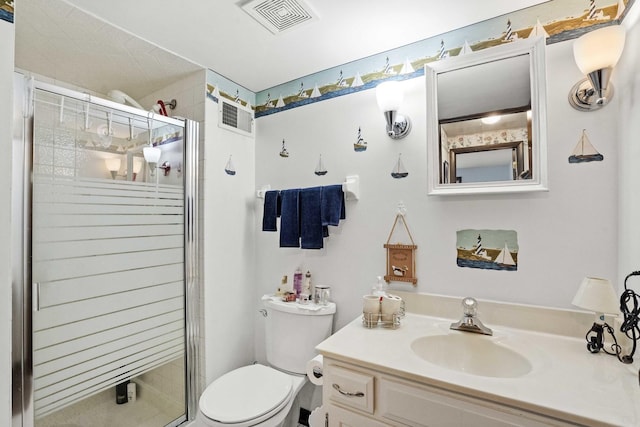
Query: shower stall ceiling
108,252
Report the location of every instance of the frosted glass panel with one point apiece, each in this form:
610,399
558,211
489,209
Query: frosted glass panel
107,264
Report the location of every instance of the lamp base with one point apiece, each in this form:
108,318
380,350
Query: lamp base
399,128
583,97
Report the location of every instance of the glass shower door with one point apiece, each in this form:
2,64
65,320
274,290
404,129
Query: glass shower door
108,266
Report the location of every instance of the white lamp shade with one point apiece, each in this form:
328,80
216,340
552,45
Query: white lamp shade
597,295
152,154
389,95
599,49
113,164
137,164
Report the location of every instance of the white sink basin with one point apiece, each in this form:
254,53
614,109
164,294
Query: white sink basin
471,353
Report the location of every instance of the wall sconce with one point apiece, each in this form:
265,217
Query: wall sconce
390,96
113,166
137,167
166,166
597,295
152,155
596,53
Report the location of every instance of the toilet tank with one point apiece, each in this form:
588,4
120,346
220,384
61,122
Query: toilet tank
293,331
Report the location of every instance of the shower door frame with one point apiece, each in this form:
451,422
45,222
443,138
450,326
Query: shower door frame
22,296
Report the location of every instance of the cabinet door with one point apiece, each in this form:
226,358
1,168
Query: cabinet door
339,417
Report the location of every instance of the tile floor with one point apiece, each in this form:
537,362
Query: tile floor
101,410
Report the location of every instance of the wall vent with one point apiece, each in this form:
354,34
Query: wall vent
279,16
235,117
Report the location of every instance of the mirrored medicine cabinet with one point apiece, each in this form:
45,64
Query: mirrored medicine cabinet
486,121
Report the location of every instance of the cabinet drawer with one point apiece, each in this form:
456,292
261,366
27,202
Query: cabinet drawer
417,405
350,388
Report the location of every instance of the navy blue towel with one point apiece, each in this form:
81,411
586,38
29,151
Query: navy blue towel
311,232
289,219
332,205
271,210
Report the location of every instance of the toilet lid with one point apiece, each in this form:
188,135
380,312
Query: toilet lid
245,394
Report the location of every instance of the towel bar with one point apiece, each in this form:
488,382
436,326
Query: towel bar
350,186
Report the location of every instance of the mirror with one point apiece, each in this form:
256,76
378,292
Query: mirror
486,121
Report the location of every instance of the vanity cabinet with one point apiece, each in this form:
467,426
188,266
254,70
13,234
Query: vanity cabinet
356,396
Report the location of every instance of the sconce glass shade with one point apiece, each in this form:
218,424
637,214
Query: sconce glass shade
599,49
389,95
597,295
152,154
113,164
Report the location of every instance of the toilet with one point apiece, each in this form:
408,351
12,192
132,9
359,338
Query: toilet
259,395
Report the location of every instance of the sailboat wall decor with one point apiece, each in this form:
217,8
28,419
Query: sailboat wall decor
399,170
584,151
487,249
229,168
320,169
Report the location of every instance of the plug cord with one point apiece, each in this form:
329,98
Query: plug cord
630,308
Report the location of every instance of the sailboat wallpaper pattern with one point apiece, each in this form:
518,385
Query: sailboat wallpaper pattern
487,249
556,20
6,10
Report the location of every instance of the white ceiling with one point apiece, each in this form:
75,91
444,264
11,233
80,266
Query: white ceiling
56,39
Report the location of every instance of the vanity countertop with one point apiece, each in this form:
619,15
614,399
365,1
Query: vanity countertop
566,381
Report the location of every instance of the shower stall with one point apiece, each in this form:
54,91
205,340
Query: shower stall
105,289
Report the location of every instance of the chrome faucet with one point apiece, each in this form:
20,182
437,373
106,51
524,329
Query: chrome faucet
469,322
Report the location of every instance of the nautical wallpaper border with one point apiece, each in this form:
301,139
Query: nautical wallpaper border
556,20
6,10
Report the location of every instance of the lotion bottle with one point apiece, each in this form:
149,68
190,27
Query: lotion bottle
379,288
297,282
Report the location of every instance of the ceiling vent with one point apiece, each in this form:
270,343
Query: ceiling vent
235,117
279,16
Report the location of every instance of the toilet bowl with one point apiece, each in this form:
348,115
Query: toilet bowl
254,395
260,395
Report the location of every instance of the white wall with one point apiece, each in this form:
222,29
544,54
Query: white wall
229,307
628,93
7,35
563,234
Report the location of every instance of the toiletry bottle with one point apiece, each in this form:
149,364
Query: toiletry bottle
306,287
283,287
121,392
297,282
378,289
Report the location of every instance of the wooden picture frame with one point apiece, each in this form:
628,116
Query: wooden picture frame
401,261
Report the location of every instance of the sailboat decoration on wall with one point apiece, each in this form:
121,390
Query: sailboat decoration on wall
229,168
584,151
320,169
360,144
399,171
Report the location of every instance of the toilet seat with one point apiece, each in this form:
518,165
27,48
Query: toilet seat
246,396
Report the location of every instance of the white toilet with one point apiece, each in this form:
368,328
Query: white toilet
259,395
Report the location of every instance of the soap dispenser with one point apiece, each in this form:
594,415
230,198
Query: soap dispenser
379,288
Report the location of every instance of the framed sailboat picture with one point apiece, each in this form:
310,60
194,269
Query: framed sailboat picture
487,249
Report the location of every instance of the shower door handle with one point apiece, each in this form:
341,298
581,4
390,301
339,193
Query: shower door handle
35,296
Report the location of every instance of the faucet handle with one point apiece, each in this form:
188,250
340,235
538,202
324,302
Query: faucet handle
469,307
